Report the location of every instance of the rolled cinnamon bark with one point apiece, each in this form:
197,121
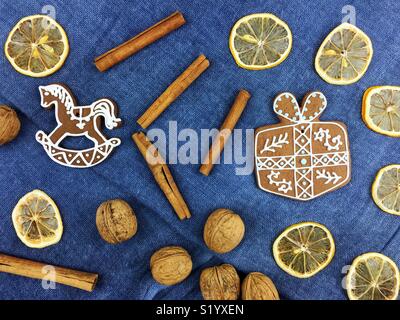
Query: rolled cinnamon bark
140,41
174,90
37,270
225,132
162,175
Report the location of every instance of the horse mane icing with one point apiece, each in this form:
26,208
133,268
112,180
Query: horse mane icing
61,93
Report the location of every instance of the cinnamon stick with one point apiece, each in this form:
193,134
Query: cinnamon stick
140,41
162,175
37,270
225,132
175,89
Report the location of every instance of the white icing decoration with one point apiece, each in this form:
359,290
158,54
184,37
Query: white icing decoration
323,135
60,97
299,114
277,142
330,177
303,176
284,185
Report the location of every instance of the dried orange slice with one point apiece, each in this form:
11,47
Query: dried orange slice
304,249
386,189
37,46
37,220
381,110
260,41
373,276
344,56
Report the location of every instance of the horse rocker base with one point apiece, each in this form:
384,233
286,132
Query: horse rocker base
73,120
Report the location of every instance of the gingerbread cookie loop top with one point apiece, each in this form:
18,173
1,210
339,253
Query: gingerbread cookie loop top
73,120
287,108
301,157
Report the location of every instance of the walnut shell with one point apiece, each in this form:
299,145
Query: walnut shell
257,286
116,221
220,283
9,124
170,265
223,231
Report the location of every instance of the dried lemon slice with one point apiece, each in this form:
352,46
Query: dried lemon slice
260,41
381,110
386,189
373,276
344,56
37,46
37,220
304,249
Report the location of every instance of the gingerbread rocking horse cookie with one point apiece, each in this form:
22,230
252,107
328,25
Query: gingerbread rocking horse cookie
301,157
73,120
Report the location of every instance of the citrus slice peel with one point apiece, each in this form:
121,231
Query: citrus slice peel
386,189
381,110
304,249
260,41
373,276
37,46
37,220
344,55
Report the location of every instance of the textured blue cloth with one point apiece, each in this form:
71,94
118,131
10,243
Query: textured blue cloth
94,27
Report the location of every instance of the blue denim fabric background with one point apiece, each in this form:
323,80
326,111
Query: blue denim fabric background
94,27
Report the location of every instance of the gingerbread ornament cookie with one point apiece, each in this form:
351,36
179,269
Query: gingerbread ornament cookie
74,120
301,157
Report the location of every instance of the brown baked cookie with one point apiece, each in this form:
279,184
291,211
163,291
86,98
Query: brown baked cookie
301,157
77,120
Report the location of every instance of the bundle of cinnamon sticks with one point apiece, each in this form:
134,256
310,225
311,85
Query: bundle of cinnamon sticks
156,163
154,160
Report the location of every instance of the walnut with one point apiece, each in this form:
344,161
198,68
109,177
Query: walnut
223,231
220,283
116,221
257,286
170,265
9,124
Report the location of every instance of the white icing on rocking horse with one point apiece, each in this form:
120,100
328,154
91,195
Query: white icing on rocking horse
73,120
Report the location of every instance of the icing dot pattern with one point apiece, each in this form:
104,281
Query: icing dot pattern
286,107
